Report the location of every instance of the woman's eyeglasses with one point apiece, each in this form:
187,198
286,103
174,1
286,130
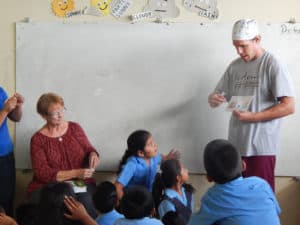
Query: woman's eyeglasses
56,114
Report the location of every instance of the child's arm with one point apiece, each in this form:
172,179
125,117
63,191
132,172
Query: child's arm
78,212
6,220
173,154
119,188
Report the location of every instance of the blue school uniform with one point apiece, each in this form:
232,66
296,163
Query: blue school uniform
7,163
247,201
109,218
183,205
6,145
137,172
142,221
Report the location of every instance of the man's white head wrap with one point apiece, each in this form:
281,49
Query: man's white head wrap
245,29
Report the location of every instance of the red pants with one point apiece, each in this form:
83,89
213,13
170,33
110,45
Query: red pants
261,166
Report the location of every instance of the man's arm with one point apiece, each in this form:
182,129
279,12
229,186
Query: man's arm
285,107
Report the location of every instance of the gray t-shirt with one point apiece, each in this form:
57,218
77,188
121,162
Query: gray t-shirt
267,80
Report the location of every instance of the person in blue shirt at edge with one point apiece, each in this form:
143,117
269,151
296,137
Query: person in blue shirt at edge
234,200
137,206
171,192
9,108
105,200
140,161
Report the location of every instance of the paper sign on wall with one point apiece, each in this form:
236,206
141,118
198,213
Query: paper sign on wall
163,8
119,7
205,8
140,16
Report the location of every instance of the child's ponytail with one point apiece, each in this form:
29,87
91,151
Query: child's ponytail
136,141
158,190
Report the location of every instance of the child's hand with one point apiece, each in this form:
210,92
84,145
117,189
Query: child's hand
77,210
6,220
173,154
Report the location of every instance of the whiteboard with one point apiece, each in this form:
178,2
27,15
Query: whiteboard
116,78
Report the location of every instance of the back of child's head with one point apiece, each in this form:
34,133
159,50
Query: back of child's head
136,203
173,218
105,197
51,206
170,169
135,142
26,214
222,161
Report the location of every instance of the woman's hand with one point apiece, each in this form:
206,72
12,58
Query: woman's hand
93,160
85,173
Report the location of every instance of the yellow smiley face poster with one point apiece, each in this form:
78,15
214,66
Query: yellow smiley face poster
62,7
103,6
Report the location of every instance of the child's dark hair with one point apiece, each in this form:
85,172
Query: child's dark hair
173,218
136,141
51,207
136,203
222,161
105,197
170,169
26,214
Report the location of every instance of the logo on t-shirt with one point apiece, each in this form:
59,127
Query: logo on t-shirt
247,80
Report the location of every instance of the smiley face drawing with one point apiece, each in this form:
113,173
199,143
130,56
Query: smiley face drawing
102,6
62,7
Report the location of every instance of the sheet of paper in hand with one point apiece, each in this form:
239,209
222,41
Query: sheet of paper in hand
240,103
78,186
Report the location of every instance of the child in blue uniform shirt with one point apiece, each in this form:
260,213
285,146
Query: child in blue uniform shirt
137,206
105,199
140,162
170,191
233,199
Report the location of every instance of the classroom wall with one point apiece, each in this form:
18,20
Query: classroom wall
287,189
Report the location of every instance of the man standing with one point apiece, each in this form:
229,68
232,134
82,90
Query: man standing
11,108
259,74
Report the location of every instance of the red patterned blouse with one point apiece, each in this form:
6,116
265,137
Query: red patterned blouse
50,155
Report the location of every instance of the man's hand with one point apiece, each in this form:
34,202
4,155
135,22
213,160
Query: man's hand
215,99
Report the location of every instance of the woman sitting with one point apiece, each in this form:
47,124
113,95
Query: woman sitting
60,151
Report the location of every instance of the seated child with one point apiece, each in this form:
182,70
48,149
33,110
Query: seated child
26,214
172,218
5,219
105,199
233,199
170,191
137,206
140,162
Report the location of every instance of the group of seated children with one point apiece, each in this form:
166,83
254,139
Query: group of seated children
141,196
